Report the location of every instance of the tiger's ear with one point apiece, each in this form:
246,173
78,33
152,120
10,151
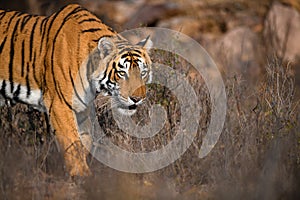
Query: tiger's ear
146,43
106,46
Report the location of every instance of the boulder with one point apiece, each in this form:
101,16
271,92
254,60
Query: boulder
238,52
184,24
282,32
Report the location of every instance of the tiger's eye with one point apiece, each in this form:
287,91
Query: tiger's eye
121,73
143,73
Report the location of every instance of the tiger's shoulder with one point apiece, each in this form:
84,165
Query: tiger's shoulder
86,20
77,23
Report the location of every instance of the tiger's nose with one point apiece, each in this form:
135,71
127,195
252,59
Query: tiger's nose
138,95
136,99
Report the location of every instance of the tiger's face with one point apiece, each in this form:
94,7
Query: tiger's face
126,73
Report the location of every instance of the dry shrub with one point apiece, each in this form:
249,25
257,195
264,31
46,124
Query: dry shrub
256,157
260,138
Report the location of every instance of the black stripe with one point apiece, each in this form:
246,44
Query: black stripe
25,20
2,15
27,81
12,53
43,27
17,92
124,55
112,30
65,101
10,21
135,61
96,40
78,16
2,44
75,90
114,76
78,52
114,65
109,76
135,55
42,24
31,39
89,20
23,58
43,37
3,86
91,30
127,60
50,109
105,73
121,66
123,50
32,52
33,68
137,51
115,72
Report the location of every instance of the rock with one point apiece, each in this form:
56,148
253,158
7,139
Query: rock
238,52
150,14
184,24
282,32
134,14
121,11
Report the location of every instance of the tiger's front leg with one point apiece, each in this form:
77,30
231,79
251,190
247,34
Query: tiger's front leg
62,120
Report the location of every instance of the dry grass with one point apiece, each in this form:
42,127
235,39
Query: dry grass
257,156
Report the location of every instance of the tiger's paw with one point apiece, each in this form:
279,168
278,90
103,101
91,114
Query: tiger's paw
75,160
80,169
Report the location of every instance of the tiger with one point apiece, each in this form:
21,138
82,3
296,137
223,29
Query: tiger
41,58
